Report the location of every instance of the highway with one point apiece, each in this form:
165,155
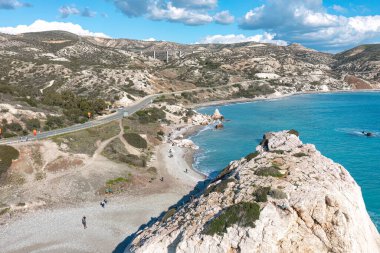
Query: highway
89,124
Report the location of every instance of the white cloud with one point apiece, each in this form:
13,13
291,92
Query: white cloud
42,25
338,8
150,39
182,15
309,23
224,18
189,12
88,13
196,4
66,11
12,4
233,38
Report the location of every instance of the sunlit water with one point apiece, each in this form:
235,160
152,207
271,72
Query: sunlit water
333,122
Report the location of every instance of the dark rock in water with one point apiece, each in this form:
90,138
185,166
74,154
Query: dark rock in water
219,126
368,134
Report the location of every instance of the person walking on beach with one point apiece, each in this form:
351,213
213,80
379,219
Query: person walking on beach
102,204
84,222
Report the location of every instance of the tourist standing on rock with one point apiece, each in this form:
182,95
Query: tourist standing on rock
84,222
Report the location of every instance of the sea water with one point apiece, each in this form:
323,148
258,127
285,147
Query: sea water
333,122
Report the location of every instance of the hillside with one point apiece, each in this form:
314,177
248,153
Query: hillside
42,71
285,197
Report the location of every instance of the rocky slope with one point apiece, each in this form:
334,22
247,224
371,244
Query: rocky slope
286,197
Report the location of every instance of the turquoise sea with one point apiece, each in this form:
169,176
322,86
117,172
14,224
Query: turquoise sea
333,122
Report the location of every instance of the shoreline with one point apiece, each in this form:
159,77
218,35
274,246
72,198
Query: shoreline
196,129
248,100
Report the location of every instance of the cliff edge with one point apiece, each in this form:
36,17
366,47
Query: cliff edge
285,197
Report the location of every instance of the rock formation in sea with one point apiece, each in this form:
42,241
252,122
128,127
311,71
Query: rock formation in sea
285,197
217,115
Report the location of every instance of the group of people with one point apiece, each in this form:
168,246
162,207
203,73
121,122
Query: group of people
103,203
170,153
84,219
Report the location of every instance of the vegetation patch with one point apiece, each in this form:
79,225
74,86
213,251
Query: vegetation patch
115,151
218,187
300,154
4,211
84,142
223,173
279,152
243,214
168,214
268,172
135,140
7,155
261,194
277,194
295,132
117,185
150,115
252,156
117,180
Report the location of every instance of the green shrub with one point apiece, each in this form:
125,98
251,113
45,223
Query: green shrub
252,155
133,160
300,154
150,115
32,124
223,173
7,155
4,211
15,127
268,171
243,214
117,180
168,214
261,194
295,132
135,140
53,122
218,187
277,194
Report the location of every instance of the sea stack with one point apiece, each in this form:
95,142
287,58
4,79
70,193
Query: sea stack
217,115
285,197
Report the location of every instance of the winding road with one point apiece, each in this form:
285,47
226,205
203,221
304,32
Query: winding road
100,121
93,123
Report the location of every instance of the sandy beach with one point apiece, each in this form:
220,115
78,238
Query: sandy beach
59,229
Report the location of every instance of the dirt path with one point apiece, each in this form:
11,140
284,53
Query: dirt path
130,149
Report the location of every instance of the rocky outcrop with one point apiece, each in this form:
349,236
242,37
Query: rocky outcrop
217,115
285,197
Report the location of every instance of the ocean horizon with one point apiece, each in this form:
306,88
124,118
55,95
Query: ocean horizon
333,122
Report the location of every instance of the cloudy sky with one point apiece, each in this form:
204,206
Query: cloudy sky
330,26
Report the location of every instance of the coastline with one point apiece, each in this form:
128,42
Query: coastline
248,100
126,213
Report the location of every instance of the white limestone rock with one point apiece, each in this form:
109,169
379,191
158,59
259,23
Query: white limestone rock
316,206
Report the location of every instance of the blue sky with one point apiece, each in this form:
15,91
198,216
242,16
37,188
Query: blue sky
323,25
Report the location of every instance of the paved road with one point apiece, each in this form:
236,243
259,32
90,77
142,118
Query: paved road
93,123
101,121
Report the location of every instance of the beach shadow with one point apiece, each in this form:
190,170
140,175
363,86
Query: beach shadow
197,191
